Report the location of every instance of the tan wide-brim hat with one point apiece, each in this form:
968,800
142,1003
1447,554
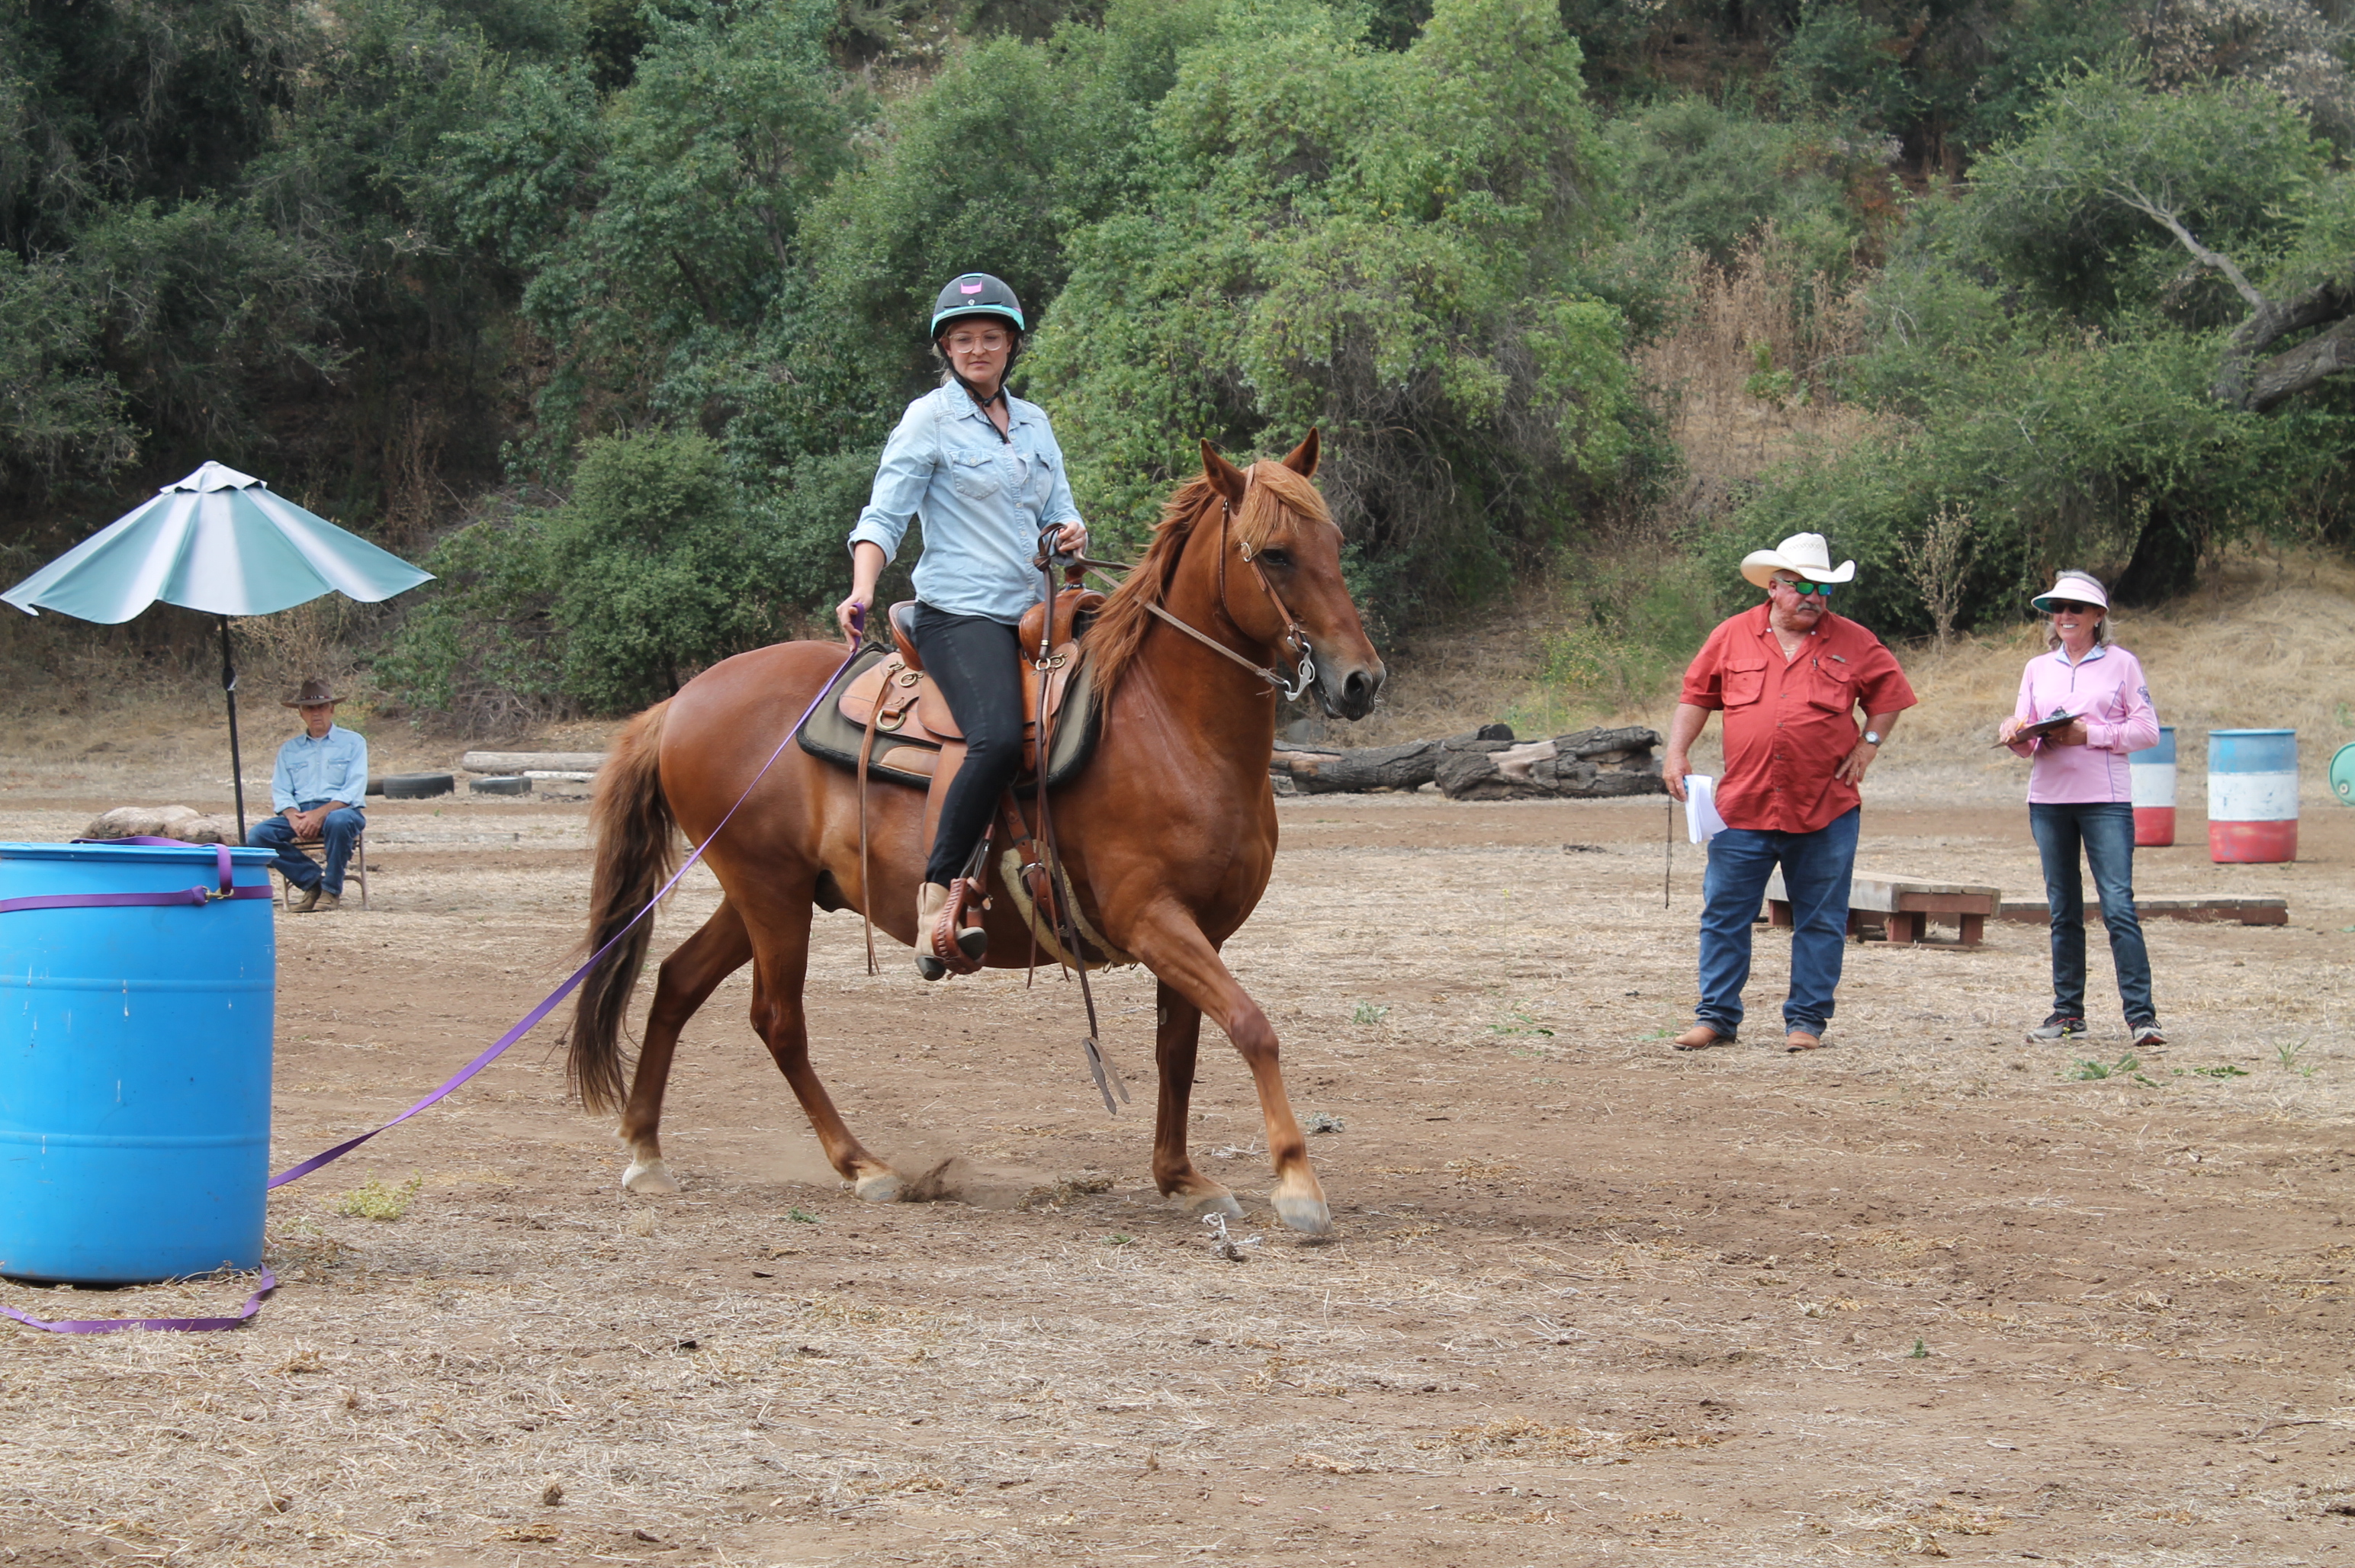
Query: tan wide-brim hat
2073,586
314,691
1806,554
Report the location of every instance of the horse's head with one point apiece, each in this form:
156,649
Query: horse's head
1284,538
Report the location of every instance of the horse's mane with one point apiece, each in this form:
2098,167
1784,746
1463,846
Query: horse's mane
1112,644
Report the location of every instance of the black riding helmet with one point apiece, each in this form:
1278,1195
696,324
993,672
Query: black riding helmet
976,294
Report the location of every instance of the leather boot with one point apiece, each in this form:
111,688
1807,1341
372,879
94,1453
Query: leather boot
931,898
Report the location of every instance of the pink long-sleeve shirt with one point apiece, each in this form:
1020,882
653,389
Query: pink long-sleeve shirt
2106,689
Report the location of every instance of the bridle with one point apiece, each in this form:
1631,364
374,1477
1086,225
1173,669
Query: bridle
1295,635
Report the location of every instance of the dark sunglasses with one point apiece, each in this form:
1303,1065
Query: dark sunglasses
2068,607
1804,588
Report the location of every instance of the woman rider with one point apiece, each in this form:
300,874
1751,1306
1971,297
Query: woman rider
983,470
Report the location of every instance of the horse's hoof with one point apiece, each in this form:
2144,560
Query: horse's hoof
1201,1204
649,1178
878,1187
1305,1214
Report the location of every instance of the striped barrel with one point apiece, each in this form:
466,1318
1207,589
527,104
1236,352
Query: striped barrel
2252,796
2151,783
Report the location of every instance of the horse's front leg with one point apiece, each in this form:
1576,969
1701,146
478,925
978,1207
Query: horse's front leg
1178,1032
1183,960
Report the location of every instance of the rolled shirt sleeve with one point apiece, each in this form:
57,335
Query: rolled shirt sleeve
900,480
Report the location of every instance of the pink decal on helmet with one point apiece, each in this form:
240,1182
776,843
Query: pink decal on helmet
969,288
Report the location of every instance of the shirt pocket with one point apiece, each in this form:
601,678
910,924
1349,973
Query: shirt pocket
974,475
1831,686
1745,681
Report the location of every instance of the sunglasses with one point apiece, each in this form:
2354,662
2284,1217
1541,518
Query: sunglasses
1804,588
2069,607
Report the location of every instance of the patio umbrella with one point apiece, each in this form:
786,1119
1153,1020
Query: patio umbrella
217,541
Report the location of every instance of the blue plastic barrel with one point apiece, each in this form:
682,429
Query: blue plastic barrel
135,1067
2252,796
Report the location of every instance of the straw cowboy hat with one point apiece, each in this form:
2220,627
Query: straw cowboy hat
315,691
1806,554
2075,587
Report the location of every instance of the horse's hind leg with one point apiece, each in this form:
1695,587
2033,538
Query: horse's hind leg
779,1015
688,978
1182,958
1175,1042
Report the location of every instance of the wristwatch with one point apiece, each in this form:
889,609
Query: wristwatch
1872,737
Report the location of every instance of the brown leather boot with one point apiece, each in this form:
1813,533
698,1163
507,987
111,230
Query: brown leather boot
1701,1037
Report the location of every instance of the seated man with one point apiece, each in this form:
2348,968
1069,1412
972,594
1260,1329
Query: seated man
321,777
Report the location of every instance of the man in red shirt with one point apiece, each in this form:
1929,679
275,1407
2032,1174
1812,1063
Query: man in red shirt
1790,676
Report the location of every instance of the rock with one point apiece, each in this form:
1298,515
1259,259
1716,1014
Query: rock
184,823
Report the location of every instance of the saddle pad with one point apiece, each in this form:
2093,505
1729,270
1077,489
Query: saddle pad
907,760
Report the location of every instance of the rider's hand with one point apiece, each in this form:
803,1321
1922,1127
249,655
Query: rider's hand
1071,539
847,615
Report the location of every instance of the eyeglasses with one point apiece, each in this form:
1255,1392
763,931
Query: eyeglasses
2069,607
1803,588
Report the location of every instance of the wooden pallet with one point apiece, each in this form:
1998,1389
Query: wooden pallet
1904,906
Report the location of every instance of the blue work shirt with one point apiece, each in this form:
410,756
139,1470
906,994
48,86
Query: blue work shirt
984,501
333,767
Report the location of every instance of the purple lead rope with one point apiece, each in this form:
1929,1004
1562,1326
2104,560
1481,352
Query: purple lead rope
529,1020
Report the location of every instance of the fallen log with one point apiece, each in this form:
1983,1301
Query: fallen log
1407,766
517,763
1588,764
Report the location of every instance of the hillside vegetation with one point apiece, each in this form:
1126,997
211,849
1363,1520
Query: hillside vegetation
602,310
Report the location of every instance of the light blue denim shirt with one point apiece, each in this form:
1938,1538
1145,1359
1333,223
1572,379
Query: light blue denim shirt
333,767
983,499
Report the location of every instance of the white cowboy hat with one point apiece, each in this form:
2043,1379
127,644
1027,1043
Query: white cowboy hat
2073,586
1806,554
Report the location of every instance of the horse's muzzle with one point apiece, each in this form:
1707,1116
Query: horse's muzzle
1350,695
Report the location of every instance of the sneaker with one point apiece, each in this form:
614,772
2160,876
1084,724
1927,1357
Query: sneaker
2146,1035
2059,1025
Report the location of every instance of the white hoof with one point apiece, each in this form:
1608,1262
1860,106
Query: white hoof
1306,1214
1201,1203
649,1178
878,1187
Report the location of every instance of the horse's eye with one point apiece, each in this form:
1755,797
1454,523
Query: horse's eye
1276,557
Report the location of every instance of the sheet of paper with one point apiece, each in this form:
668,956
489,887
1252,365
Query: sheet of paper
1701,820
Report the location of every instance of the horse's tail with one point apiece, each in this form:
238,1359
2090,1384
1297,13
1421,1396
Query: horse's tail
636,851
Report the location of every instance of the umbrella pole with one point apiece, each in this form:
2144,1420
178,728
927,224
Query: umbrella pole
236,763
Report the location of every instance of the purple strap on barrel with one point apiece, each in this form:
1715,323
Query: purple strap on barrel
228,888
169,1324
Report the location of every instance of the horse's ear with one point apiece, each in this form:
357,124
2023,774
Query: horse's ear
1303,458
1224,476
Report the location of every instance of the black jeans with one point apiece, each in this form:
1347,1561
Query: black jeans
977,663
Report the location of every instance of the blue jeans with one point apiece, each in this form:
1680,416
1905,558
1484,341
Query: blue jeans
337,832
2108,832
1816,870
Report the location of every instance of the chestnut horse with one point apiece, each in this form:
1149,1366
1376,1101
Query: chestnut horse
1168,834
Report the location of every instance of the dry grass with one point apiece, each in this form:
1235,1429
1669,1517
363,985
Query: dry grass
1742,375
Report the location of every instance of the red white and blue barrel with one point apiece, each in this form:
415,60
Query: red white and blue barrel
2151,783
2252,796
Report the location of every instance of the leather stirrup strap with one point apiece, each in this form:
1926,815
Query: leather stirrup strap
866,887
1107,1078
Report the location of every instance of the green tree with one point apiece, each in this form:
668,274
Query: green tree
1387,245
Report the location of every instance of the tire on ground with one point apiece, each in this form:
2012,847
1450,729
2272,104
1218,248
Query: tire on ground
412,786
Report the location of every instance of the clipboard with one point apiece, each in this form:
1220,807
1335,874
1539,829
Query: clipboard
2037,731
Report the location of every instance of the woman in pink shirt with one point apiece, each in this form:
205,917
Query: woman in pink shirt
2077,794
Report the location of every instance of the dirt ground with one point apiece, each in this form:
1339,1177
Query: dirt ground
1927,1293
